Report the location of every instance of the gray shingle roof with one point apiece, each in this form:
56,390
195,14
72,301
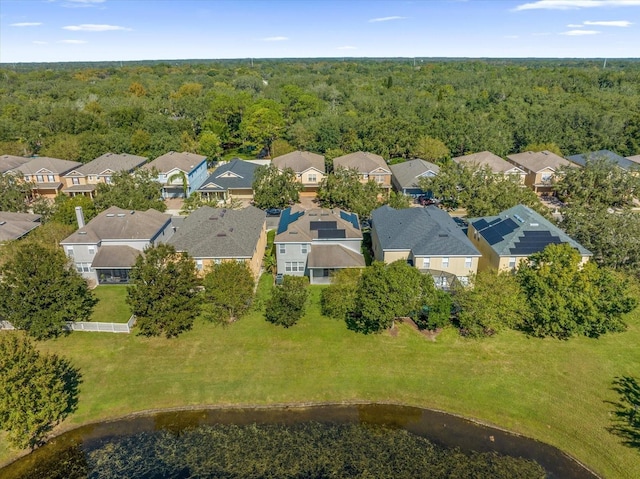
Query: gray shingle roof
505,239
426,231
118,224
624,163
363,162
115,257
406,174
334,256
54,165
486,158
237,174
539,160
220,233
184,161
300,161
16,225
9,162
112,162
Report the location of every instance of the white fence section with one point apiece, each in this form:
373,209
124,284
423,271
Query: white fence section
90,326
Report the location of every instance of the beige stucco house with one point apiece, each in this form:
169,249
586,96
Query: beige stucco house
496,164
368,165
541,168
308,167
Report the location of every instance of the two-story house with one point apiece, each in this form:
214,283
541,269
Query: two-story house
497,165
105,249
214,235
514,234
621,162
428,239
406,176
368,165
541,168
232,180
318,242
46,174
308,167
85,179
14,226
180,174
10,162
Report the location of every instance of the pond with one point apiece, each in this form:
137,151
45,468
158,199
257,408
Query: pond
198,443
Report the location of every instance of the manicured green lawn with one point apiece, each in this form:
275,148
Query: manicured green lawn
551,390
111,307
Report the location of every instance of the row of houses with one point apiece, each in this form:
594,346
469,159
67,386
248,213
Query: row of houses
315,242
182,174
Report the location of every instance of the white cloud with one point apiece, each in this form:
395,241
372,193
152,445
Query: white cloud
575,33
73,42
611,23
90,27
26,24
385,19
575,4
572,25
347,47
275,39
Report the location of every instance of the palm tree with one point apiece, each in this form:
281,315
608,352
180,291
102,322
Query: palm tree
185,181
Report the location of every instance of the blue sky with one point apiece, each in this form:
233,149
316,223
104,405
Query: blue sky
93,30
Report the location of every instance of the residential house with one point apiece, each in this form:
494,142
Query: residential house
105,249
14,226
368,165
497,165
176,169
10,162
85,179
317,243
213,235
541,168
230,180
621,162
308,167
46,174
514,234
428,239
406,176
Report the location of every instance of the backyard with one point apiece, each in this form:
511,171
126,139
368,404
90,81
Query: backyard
554,391
111,306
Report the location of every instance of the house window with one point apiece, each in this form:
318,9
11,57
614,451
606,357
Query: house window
199,264
379,179
468,262
313,178
304,248
83,267
27,178
365,176
546,177
70,251
294,267
107,180
40,178
512,263
51,178
445,262
282,248
91,178
92,250
75,181
426,263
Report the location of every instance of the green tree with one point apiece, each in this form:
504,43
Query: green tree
136,191
273,188
492,302
262,124
288,301
569,299
184,181
343,189
552,147
15,193
386,292
163,294
37,391
210,145
40,291
431,149
399,201
228,291
435,315
64,209
338,299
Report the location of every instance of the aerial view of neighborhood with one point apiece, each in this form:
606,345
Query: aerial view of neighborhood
320,239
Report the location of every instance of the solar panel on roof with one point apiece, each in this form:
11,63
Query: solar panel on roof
533,244
331,234
480,224
491,236
532,234
505,227
323,225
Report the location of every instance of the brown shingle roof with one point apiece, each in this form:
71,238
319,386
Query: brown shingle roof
115,257
9,162
55,165
539,160
486,158
184,161
112,162
300,161
363,162
334,256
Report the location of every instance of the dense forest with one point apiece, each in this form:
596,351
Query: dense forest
398,108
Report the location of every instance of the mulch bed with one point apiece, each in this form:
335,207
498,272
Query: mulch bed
430,334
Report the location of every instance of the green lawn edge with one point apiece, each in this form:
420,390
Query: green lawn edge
550,390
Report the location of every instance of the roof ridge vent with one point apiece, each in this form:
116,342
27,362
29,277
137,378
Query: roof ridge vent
110,215
534,224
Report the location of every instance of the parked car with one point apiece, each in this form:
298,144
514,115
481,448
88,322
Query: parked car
426,201
273,211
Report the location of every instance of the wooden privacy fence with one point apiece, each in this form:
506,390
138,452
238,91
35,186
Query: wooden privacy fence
89,326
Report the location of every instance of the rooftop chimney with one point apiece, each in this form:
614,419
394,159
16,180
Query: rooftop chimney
79,216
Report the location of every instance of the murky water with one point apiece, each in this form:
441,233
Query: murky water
440,428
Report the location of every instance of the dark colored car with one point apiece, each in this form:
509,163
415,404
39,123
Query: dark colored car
273,211
426,201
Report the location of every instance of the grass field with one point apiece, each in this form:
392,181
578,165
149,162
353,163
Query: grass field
554,391
111,307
